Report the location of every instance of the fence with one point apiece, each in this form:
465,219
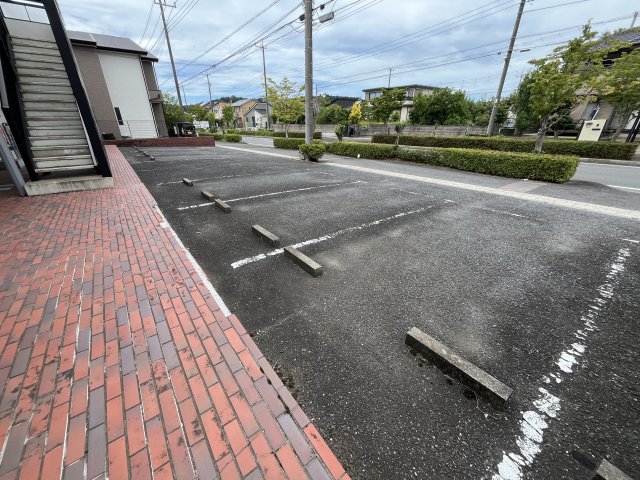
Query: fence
372,129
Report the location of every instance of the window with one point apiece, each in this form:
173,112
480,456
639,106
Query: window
118,115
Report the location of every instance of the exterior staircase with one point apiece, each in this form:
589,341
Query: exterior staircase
54,126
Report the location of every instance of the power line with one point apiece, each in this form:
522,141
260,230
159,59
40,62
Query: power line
148,19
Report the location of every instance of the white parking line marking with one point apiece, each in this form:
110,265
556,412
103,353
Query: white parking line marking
292,191
629,240
324,238
625,188
260,152
546,406
558,202
317,187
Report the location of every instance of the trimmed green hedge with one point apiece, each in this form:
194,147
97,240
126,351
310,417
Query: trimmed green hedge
218,136
617,150
288,143
270,133
232,137
313,152
316,135
548,168
365,150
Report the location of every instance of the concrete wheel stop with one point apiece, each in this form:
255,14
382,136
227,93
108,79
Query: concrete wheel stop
485,385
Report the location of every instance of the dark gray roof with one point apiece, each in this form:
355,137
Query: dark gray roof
239,103
631,36
108,42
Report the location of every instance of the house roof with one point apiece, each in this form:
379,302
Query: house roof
108,42
631,35
239,103
344,102
425,87
260,107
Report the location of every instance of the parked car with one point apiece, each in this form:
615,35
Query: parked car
183,129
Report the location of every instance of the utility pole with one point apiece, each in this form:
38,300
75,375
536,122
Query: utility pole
308,71
390,71
184,95
266,93
514,35
210,98
635,17
173,65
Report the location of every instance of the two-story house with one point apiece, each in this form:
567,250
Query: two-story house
407,105
240,109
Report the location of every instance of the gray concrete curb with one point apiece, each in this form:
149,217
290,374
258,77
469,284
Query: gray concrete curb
605,161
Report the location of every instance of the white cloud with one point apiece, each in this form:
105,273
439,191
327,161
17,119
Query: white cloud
384,23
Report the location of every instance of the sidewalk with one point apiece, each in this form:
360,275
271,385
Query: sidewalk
116,361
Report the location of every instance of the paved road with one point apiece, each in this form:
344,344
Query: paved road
619,176
535,283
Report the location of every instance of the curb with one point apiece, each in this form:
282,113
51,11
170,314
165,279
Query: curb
604,161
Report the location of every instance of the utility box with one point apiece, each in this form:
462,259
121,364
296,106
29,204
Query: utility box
592,129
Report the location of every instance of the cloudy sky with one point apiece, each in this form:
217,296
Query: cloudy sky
431,42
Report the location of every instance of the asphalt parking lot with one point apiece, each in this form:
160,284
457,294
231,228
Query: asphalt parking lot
542,295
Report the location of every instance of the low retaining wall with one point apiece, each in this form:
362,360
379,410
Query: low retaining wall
164,142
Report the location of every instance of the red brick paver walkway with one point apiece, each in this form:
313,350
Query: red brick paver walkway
117,362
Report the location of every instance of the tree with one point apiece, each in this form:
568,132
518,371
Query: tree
442,107
227,115
356,113
565,122
332,115
286,100
620,86
172,112
481,112
389,101
198,112
520,102
562,77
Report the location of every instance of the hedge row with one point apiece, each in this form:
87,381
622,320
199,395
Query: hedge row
288,143
232,137
549,168
269,133
616,150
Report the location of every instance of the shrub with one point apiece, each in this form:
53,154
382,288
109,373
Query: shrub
288,143
218,136
313,152
365,150
550,168
232,130
316,135
232,137
258,133
623,151
204,133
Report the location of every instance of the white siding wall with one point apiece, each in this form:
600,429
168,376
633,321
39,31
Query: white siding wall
128,92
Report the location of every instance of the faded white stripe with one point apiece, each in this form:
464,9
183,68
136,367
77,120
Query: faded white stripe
546,405
558,202
324,238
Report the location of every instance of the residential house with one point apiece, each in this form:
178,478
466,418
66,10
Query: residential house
343,102
121,83
257,116
600,109
407,105
240,109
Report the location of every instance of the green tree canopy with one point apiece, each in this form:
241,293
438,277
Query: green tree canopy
520,102
355,115
333,114
561,78
286,100
442,107
227,115
481,112
620,85
199,112
389,101
172,112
